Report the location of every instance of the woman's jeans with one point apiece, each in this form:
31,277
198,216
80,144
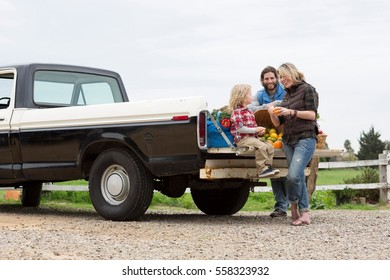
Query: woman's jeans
298,157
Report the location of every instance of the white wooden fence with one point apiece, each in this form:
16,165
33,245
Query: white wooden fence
383,162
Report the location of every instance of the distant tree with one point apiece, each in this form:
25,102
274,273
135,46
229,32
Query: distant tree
387,145
349,154
348,147
370,145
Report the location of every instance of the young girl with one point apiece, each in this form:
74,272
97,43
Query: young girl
245,130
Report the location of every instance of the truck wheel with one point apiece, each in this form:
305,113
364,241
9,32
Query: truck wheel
121,188
31,194
221,201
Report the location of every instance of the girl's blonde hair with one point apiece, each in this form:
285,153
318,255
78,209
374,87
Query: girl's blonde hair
290,70
238,95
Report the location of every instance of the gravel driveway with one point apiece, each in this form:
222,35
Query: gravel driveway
165,234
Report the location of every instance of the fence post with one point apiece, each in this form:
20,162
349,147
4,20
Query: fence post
384,177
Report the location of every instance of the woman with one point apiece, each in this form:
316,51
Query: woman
297,112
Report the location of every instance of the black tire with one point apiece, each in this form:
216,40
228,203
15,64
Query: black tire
31,194
221,201
121,188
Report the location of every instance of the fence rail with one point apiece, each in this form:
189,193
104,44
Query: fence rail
383,162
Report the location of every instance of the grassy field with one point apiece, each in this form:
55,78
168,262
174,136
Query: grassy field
263,201
335,176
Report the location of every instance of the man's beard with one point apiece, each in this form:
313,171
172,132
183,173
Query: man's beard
272,85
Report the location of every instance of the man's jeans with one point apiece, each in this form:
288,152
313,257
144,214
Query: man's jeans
298,157
279,188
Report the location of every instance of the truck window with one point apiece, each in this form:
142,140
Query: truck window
95,93
6,88
57,88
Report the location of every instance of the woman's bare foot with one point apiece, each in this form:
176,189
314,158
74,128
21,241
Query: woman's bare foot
294,212
304,219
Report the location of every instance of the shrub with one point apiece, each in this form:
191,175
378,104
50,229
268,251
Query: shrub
322,200
367,176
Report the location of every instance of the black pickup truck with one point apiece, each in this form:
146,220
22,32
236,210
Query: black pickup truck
62,122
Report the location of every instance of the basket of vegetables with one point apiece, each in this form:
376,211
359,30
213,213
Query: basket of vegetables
273,135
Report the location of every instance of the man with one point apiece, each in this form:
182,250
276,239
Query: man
272,92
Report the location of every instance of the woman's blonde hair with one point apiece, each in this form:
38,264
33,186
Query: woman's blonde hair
290,70
238,95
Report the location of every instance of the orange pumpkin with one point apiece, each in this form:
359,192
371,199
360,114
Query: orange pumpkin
278,144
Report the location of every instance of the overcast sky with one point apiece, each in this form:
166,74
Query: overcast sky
182,48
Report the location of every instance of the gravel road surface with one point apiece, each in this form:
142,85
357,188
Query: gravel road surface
27,234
